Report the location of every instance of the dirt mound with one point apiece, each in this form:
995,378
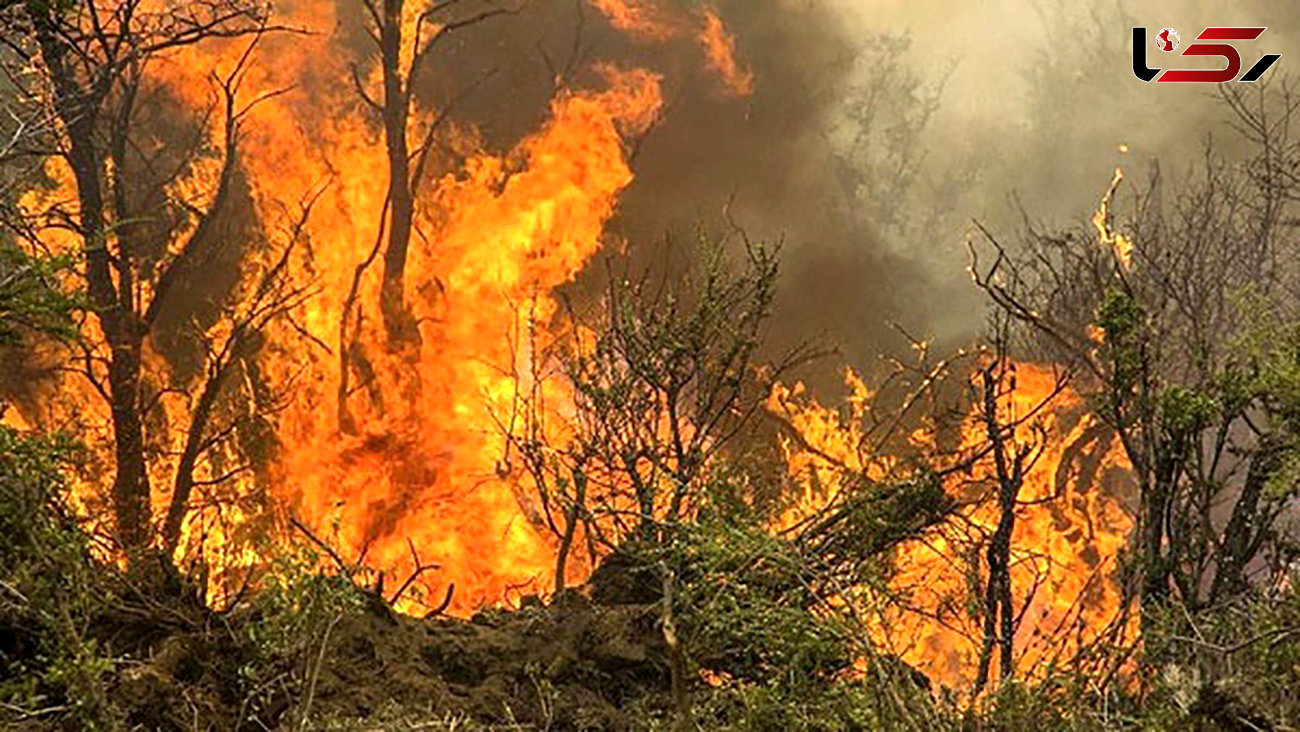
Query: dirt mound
573,663
570,664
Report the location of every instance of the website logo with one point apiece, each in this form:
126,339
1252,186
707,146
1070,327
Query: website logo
1168,40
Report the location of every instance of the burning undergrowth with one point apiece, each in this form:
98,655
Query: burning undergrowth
340,294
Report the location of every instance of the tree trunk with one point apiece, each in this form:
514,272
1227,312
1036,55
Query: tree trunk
1158,560
1235,552
398,323
78,108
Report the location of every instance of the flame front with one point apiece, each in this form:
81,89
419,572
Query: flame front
423,466
416,477
1071,524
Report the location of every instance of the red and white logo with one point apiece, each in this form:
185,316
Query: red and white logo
1167,40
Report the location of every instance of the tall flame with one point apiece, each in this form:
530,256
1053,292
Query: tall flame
1117,242
424,464
418,477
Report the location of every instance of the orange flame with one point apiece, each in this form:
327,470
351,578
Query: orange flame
648,21
1118,243
642,19
419,477
720,52
424,466
1070,527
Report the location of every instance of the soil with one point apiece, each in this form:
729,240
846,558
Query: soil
574,663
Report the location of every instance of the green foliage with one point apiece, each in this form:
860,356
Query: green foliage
287,630
32,299
1120,318
847,705
1236,665
751,617
40,7
1186,411
50,591
1119,315
745,604
297,602
1269,353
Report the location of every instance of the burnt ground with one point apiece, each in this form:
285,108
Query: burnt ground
573,664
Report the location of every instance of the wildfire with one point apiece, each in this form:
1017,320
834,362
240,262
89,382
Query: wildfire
423,467
1070,526
391,455
650,22
720,50
417,477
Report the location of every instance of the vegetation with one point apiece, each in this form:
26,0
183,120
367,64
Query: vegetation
720,588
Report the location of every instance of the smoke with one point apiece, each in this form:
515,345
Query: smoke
875,133
767,162
837,152
1038,106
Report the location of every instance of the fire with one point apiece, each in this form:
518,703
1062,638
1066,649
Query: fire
392,455
1121,245
418,476
833,445
1071,525
720,50
424,464
650,22
643,19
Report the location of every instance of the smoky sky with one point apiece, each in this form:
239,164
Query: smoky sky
763,162
1033,101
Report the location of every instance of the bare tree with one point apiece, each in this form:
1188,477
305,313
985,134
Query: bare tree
266,298
661,380
1012,456
407,167
404,53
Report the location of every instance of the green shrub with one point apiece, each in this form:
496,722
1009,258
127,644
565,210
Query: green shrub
50,590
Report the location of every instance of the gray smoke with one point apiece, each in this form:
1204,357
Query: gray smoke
877,131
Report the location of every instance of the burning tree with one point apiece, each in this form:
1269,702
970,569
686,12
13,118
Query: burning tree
404,50
406,36
145,199
1014,562
1181,326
